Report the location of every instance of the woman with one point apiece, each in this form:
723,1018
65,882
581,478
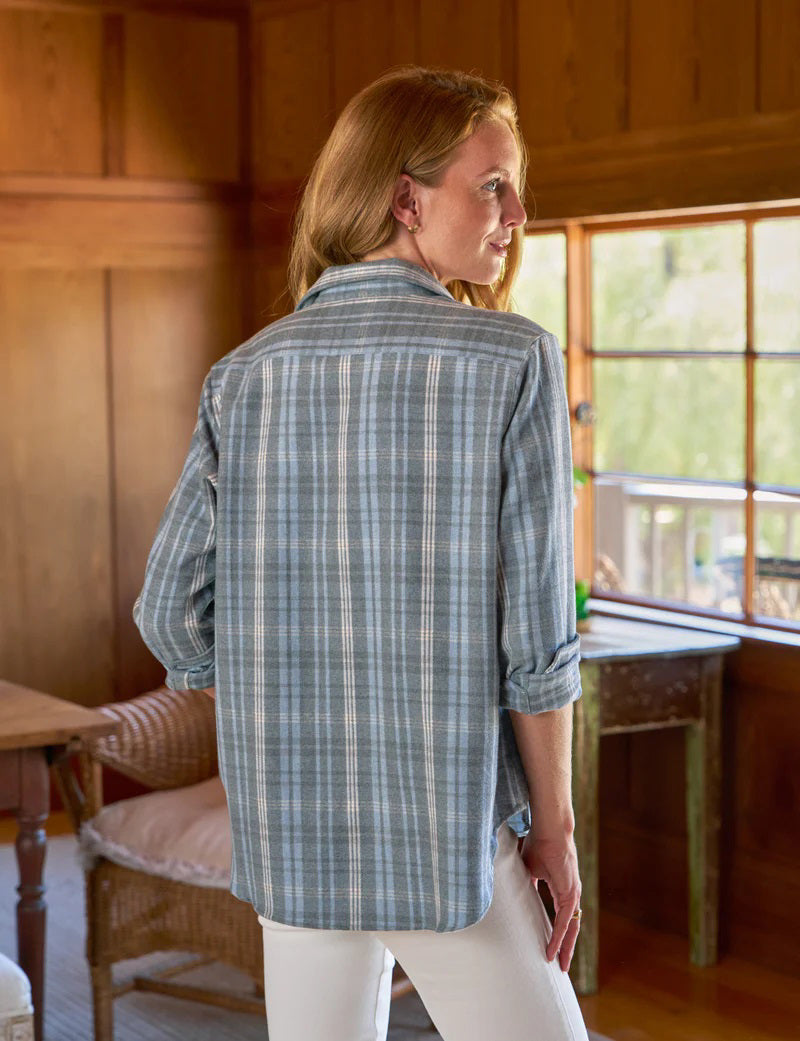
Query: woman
368,559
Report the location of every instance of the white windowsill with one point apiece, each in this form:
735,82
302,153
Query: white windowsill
693,621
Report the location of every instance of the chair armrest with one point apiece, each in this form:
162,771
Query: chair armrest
165,738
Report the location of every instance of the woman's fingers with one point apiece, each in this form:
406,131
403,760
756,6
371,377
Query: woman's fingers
564,936
568,946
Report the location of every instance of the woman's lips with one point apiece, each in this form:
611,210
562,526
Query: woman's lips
500,250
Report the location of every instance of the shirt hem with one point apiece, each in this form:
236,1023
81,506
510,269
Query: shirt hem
519,809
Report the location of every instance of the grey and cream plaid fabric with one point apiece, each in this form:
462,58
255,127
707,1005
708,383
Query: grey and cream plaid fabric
369,552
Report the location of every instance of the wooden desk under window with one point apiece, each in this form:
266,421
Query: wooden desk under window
643,676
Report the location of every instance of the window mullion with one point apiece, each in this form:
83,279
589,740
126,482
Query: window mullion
749,433
579,387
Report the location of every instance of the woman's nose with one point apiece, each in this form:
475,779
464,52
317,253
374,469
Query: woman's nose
516,214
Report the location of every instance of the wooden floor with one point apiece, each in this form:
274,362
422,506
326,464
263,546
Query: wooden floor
650,992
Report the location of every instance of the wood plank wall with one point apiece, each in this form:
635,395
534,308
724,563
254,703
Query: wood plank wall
124,158
151,154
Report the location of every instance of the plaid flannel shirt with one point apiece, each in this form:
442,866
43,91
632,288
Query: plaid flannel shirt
369,552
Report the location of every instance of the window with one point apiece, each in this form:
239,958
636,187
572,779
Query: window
682,330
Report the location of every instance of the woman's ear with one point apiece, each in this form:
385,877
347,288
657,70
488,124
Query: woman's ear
405,204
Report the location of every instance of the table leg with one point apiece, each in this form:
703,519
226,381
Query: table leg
30,846
585,752
703,812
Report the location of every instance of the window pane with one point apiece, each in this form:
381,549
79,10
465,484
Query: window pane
669,288
682,543
776,263
540,291
671,417
777,396
777,588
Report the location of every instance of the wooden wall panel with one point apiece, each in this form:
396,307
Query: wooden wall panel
181,98
761,910
643,875
766,742
643,858
625,106
651,803
57,230
168,327
55,611
662,84
572,70
778,48
369,36
134,117
726,42
691,60
458,34
292,77
50,92
190,8
706,165
760,882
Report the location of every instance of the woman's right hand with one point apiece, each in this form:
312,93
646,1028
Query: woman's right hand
556,861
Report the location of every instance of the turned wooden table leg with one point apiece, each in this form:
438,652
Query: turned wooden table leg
585,750
30,846
703,813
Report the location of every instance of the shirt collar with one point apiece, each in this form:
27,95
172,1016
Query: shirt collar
392,273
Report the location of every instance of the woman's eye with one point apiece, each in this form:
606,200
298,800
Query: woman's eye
494,180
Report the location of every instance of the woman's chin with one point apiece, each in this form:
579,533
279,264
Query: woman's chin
484,274
489,279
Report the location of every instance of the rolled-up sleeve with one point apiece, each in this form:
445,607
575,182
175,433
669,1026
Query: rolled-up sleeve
539,647
175,608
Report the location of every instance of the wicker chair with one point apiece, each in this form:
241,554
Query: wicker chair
165,740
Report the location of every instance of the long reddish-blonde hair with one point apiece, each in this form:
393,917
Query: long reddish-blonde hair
409,120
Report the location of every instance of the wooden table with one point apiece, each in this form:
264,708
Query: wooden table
34,728
644,676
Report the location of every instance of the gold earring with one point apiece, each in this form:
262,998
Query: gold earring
412,230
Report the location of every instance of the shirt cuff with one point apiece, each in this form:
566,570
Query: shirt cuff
196,678
558,685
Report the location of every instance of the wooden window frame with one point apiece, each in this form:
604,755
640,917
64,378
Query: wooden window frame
580,352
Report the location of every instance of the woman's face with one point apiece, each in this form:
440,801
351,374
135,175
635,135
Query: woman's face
475,207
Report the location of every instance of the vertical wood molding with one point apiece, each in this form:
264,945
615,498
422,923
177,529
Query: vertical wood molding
246,69
113,493
113,82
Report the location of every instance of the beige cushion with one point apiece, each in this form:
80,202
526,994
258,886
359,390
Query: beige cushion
182,834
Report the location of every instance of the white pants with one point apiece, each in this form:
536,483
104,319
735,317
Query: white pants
491,980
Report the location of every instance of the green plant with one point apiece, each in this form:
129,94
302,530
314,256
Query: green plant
582,590
582,587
